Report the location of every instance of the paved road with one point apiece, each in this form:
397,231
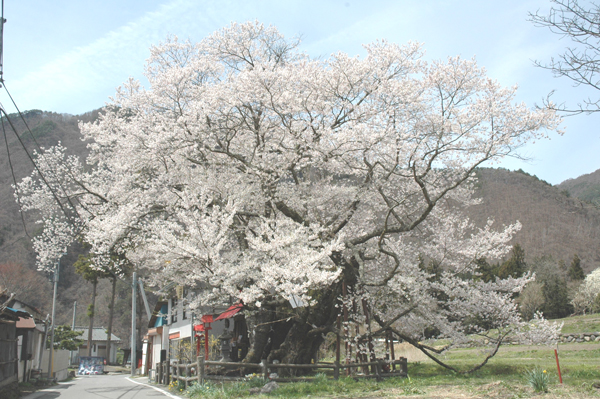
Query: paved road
102,387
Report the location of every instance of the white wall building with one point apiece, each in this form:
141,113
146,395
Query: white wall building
99,339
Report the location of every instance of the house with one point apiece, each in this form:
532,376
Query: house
10,357
99,338
155,340
174,332
30,339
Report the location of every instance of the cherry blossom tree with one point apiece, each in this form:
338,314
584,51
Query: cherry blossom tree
252,172
587,292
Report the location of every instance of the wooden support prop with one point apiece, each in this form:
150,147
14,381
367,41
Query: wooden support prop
392,349
337,341
345,309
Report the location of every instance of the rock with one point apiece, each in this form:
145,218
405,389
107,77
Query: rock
585,338
597,339
254,391
269,387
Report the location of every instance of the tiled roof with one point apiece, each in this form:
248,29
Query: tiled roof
98,334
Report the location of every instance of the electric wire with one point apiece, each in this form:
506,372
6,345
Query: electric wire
12,171
42,177
21,115
3,111
62,188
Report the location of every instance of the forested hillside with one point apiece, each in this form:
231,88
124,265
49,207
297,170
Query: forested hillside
17,258
585,187
554,223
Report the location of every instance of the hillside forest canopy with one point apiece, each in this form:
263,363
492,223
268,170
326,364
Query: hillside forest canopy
249,171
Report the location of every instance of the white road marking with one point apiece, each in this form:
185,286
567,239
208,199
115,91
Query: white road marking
170,395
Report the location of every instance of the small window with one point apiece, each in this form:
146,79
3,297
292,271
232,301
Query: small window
186,292
174,310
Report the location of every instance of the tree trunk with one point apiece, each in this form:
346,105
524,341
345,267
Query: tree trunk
260,325
91,313
110,319
296,340
308,331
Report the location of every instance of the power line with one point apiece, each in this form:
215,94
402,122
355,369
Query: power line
3,111
37,168
55,177
12,171
2,43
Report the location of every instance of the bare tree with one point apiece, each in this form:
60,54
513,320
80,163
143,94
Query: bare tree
580,62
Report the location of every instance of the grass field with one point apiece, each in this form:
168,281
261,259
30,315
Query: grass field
581,324
502,378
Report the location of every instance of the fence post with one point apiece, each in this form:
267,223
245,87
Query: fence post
263,368
378,370
336,370
186,374
404,365
200,370
159,373
176,378
168,375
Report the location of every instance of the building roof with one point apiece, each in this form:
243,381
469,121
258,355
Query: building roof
25,322
13,314
98,334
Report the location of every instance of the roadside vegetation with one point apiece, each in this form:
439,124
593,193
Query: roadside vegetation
507,375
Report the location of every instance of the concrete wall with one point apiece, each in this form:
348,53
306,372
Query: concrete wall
61,363
25,367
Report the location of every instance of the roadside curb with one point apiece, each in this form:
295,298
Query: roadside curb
166,393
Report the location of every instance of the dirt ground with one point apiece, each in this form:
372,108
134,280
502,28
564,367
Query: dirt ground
496,390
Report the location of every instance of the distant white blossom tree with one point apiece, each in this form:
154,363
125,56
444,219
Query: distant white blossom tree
257,173
587,292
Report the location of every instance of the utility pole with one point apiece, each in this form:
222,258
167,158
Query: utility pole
73,327
51,349
133,326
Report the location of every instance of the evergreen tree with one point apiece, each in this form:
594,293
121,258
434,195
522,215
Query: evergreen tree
575,270
65,338
487,271
85,267
515,266
556,298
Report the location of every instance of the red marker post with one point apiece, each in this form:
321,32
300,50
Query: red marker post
558,366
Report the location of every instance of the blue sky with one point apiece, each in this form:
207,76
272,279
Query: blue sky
68,56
